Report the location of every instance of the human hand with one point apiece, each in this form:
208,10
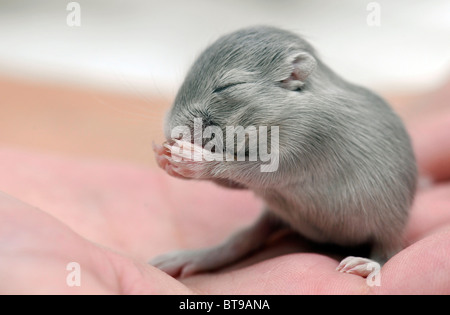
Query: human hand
112,218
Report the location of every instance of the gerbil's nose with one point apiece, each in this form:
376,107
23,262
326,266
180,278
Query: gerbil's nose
199,125
204,129
201,128
194,122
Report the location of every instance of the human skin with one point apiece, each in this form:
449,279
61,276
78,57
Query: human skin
111,218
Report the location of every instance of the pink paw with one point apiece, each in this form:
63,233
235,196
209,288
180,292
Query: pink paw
358,266
177,159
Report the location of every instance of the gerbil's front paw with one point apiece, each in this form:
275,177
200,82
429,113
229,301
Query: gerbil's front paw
184,263
358,266
177,159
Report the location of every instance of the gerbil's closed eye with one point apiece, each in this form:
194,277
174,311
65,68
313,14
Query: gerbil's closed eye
224,87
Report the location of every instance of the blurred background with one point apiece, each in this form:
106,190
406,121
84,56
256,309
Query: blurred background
93,78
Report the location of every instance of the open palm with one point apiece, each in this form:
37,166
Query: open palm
111,218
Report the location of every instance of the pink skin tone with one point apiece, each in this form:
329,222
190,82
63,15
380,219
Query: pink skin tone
111,218
185,263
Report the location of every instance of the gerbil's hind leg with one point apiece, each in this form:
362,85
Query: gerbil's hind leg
364,266
187,262
358,266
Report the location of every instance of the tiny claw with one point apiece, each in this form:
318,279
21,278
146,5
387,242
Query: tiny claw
168,158
167,146
179,142
157,147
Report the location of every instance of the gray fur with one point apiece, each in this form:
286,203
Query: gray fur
347,173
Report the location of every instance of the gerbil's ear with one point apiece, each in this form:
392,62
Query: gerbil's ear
302,64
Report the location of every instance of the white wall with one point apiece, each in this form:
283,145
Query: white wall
143,46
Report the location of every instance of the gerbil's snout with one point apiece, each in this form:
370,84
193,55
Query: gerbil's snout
198,127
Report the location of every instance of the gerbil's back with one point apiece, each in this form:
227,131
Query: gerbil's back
357,179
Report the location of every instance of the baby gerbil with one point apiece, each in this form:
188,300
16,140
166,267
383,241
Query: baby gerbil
346,172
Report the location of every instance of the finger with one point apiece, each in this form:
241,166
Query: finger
422,268
430,212
289,274
430,133
36,250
